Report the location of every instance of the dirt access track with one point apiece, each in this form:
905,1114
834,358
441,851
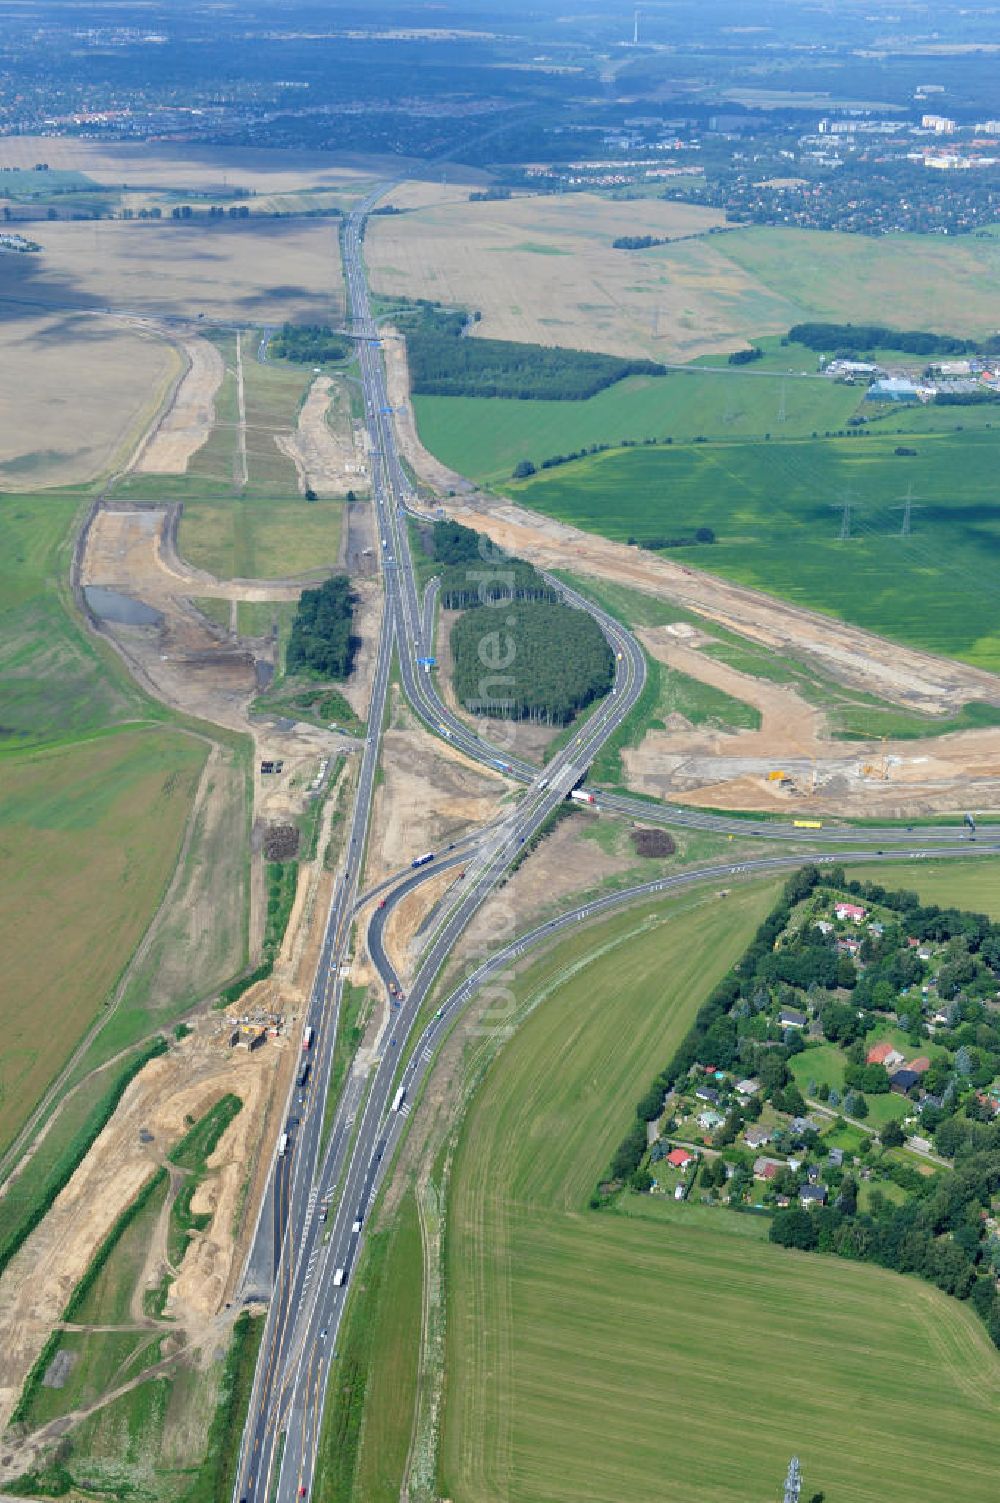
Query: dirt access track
935,686
189,417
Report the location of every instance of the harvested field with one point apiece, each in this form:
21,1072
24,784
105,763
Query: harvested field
76,393
89,836
543,270
189,420
168,164
263,270
905,281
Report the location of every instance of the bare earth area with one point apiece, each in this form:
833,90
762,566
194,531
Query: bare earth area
730,770
325,455
154,1114
430,470
189,419
429,796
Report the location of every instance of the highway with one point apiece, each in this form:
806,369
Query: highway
320,1191
294,1364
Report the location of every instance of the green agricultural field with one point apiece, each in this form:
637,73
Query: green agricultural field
89,838
973,885
55,681
776,511
603,1356
485,438
253,537
365,1439
189,956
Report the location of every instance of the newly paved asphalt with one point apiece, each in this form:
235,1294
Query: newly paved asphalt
313,1251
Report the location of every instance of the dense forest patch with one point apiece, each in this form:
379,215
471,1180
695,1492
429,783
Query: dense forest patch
544,662
321,640
309,344
859,337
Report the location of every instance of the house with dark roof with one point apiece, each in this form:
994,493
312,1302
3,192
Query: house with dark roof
812,1195
903,1081
707,1093
790,1017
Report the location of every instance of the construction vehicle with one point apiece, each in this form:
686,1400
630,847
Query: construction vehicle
807,824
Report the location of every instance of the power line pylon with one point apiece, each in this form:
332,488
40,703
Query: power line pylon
793,1482
907,509
845,508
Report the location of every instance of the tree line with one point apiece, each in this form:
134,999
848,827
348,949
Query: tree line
321,639
463,587
443,363
545,663
657,543
862,337
639,242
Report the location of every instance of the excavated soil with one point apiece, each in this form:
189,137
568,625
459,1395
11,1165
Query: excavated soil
730,769
408,918
397,378
327,456
429,796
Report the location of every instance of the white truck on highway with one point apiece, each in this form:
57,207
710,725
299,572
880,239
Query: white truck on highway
339,1277
399,1098
582,796
282,1145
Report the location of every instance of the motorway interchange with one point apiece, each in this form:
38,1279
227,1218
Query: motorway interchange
321,1189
